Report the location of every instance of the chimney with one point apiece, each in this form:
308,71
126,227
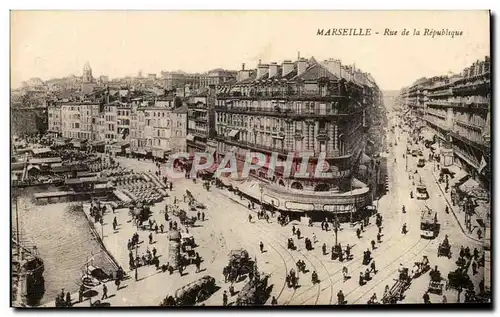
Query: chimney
298,55
243,66
287,67
301,66
261,70
260,62
273,70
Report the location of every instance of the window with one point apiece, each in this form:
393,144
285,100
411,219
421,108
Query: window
77,125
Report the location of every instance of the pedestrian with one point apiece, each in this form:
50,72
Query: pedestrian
314,238
80,293
154,251
117,283
203,216
373,244
426,298
358,233
348,251
345,273
379,236
362,227
361,281
372,268
293,230
445,300
274,302
198,215
156,228
161,228
322,225
224,299
474,268
197,263
104,292
479,233
367,274
170,225
298,233
379,229
324,248
68,299
261,247
150,238
340,297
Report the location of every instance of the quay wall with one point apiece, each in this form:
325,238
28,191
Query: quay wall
98,237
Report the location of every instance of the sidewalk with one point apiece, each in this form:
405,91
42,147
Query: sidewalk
458,213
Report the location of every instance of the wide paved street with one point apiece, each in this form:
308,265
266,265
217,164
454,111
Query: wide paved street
227,228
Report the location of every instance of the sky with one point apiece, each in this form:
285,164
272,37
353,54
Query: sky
53,44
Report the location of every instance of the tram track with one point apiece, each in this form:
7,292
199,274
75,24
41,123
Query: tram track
387,276
272,246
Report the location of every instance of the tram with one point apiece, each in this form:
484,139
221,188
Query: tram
429,226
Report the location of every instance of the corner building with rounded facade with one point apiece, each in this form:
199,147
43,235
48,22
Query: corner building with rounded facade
297,107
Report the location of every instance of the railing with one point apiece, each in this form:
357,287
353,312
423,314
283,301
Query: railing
332,154
312,93
287,112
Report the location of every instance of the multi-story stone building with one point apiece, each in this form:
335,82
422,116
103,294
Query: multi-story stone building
179,129
293,107
54,119
173,80
457,110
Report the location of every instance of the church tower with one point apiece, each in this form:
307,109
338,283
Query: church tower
88,85
87,73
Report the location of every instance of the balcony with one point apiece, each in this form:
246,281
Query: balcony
287,112
309,94
467,124
437,114
479,105
439,103
333,154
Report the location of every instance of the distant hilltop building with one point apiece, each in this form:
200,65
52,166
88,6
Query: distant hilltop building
88,83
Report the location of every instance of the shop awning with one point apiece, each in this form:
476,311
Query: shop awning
365,159
159,153
190,137
76,143
340,208
356,183
469,185
42,150
98,143
458,173
47,160
233,133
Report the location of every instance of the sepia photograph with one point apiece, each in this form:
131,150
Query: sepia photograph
250,158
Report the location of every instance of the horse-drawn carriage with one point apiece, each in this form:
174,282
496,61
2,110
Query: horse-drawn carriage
436,283
255,292
444,249
239,265
184,219
194,292
396,292
421,267
187,243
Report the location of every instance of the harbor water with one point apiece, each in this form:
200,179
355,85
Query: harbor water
64,241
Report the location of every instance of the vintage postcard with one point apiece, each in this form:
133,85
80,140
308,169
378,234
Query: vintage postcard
249,158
